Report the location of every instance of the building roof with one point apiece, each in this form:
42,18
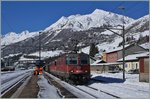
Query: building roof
117,49
107,64
134,56
145,45
103,63
98,62
121,47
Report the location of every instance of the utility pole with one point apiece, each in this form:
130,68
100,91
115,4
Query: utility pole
123,52
39,46
123,42
123,37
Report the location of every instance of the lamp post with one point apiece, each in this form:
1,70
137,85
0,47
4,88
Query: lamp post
123,37
39,46
123,42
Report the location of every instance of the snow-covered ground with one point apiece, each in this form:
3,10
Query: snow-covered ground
5,76
114,84
109,82
46,90
9,79
72,89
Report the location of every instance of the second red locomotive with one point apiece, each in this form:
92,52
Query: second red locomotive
72,67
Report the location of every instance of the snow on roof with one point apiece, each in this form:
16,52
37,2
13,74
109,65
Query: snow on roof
86,50
107,64
117,49
46,54
97,62
23,58
145,45
12,55
134,56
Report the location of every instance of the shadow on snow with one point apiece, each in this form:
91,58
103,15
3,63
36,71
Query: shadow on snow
103,79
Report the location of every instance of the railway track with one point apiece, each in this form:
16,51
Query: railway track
9,88
7,76
93,93
104,92
86,92
60,89
3,73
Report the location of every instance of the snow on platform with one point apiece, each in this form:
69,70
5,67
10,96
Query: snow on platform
46,90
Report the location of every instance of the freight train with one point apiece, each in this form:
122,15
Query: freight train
71,67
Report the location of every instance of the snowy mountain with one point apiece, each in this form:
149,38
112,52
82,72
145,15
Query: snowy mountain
139,25
13,37
137,29
97,18
76,29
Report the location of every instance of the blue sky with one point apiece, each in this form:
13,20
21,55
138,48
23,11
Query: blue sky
35,16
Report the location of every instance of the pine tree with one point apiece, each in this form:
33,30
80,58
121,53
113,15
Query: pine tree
93,50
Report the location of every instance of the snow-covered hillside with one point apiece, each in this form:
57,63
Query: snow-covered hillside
85,29
139,25
13,37
136,28
97,18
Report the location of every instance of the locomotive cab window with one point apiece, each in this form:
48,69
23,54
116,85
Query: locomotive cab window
71,60
84,59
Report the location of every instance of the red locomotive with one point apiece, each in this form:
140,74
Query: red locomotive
72,67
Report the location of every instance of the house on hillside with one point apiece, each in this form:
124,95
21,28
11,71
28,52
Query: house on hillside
115,54
144,68
131,61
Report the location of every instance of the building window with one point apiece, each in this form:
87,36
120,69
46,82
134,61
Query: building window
126,65
136,65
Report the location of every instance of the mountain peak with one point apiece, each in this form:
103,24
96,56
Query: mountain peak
98,11
83,22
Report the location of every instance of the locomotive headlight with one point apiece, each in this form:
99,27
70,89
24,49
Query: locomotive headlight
86,71
72,71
